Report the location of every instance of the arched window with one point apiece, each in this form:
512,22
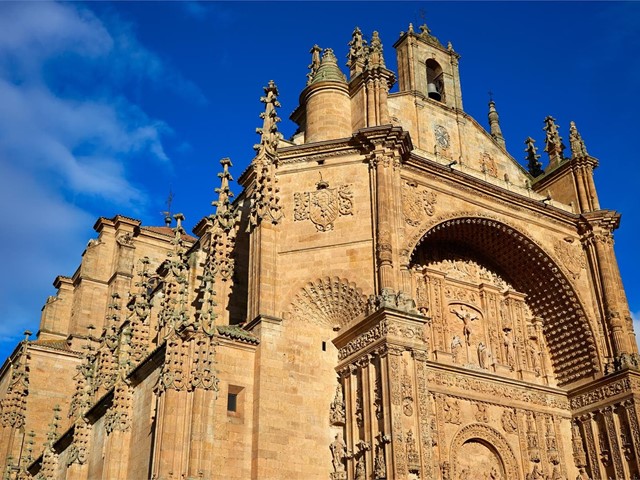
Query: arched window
435,81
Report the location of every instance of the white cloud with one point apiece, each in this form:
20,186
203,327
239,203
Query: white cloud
68,139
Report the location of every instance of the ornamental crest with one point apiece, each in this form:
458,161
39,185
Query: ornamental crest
417,203
324,205
570,256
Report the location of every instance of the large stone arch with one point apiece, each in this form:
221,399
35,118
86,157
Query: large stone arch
490,437
550,295
330,302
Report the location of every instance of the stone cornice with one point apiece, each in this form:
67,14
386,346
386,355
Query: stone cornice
463,180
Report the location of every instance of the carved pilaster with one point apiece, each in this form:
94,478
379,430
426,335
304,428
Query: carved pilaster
612,437
592,455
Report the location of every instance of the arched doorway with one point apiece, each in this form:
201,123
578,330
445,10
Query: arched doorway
502,287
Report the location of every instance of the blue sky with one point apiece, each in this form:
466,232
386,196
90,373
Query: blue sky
106,107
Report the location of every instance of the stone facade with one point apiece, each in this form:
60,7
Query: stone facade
390,296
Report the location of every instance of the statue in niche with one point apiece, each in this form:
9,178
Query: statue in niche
456,345
467,316
534,353
446,471
338,453
483,356
509,347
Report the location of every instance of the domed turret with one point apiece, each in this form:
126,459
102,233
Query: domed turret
326,101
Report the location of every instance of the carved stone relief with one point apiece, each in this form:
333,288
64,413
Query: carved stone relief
571,256
324,205
417,203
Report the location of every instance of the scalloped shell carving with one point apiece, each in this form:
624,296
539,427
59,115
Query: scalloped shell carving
333,302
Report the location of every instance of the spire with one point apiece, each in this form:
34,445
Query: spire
578,150
315,63
494,124
356,56
533,164
553,143
375,58
328,71
224,212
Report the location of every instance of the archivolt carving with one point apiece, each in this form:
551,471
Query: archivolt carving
487,435
331,302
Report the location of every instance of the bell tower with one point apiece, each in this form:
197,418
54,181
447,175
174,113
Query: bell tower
428,68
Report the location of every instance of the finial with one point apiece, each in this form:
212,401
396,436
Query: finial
533,164
494,122
375,57
315,62
424,30
411,28
167,212
269,131
450,46
27,334
578,149
553,142
356,55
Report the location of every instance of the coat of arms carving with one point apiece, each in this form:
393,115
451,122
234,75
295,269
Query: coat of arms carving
571,256
324,205
417,203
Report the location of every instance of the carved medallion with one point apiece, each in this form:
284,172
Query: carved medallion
417,203
324,205
442,136
488,165
570,256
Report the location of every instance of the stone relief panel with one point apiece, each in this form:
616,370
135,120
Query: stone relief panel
477,320
571,256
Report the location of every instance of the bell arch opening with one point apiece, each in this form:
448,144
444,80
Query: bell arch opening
435,80
511,307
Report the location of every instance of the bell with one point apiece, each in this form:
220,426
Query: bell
432,92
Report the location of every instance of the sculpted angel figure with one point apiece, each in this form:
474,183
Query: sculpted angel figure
467,316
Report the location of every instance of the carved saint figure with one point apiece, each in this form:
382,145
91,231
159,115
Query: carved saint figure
483,356
446,471
338,453
535,353
509,347
360,470
536,473
509,421
456,345
467,316
451,411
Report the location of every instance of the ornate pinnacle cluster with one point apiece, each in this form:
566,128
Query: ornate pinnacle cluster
357,52
265,198
375,56
328,71
578,149
533,164
553,142
269,131
140,307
